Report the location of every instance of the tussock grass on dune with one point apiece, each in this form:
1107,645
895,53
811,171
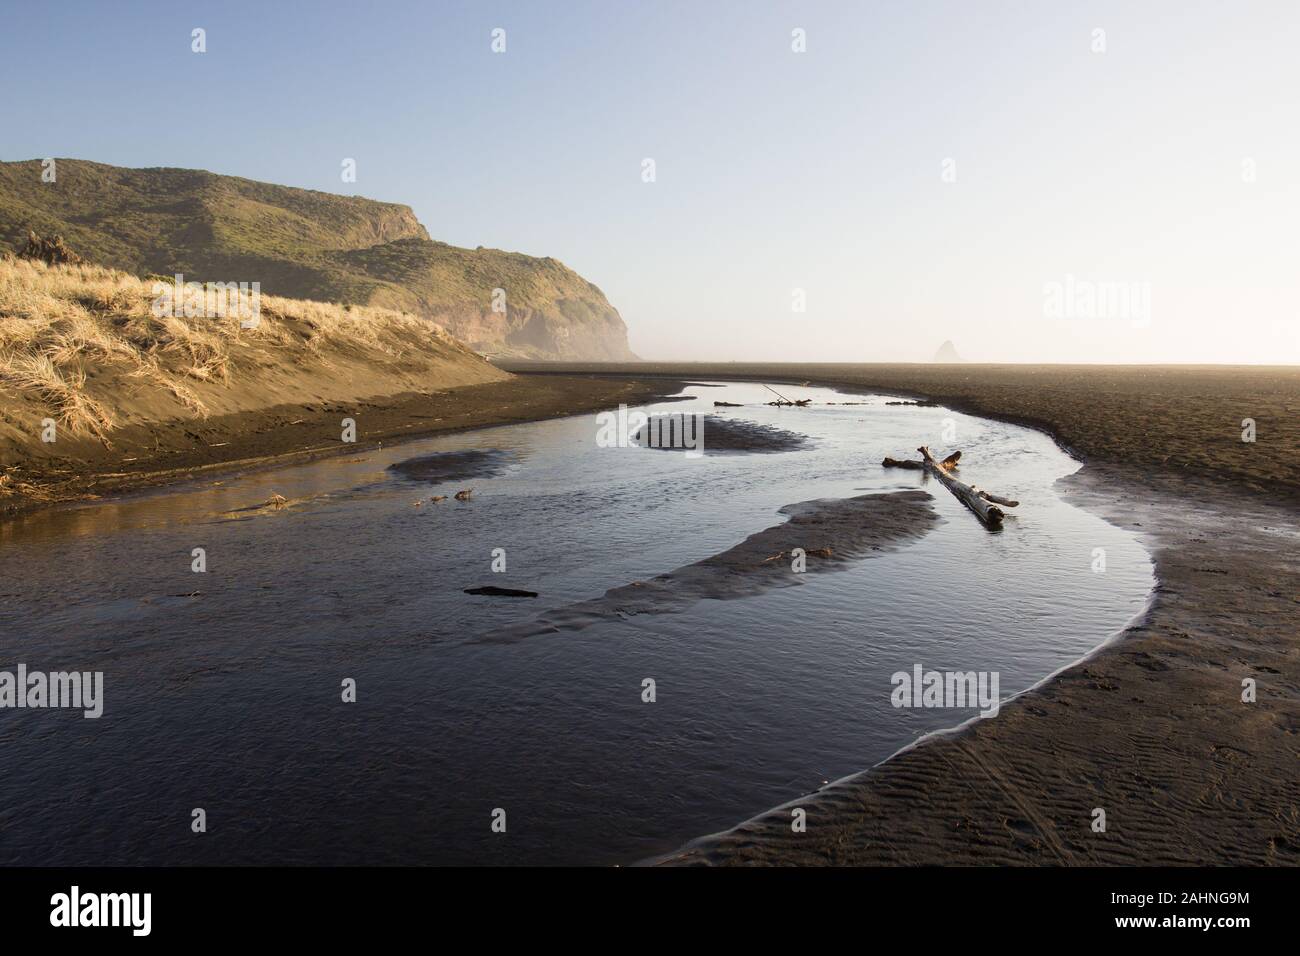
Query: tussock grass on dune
60,324
38,373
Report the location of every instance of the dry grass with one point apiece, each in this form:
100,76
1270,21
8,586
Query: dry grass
37,372
59,323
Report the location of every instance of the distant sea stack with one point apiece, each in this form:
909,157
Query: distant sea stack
306,244
947,353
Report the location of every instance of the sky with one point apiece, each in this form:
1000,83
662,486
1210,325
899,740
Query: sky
1034,181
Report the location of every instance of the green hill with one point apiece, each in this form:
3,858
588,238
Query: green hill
310,245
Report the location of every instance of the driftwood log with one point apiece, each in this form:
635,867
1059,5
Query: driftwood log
976,499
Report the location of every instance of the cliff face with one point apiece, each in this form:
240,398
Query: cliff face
496,302
311,245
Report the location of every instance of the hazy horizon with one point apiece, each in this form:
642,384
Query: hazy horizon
937,172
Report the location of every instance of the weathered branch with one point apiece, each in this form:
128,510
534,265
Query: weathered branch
784,400
997,499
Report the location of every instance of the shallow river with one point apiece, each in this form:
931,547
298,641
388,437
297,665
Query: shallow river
222,690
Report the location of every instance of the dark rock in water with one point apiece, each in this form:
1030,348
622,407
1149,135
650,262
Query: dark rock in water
493,591
921,404
454,465
717,435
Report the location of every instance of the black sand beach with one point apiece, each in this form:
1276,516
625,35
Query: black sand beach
1152,727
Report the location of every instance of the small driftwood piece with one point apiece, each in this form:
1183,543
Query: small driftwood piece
896,463
813,553
785,401
948,464
493,591
977,500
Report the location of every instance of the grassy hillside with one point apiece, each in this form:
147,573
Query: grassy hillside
306,244
84,345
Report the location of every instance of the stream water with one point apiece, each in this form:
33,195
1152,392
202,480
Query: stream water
223,689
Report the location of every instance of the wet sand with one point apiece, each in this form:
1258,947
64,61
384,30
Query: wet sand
721,435
831,533
1151,727
153,454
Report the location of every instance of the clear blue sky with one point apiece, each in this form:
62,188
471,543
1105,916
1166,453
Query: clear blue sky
776,170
